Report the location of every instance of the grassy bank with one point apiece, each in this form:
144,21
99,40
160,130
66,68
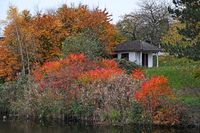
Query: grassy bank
179,76
183,77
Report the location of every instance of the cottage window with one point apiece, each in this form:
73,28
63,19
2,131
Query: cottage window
125,56
114,55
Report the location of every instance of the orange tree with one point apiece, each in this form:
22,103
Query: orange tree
8,64
38,38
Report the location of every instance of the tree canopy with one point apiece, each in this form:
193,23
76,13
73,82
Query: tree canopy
38,38
149,23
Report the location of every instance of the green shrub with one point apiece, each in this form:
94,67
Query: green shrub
197,74
127,65
12,91
136,113
174,61
80,111
3,97
114,116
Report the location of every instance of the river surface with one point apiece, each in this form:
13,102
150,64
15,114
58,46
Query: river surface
31,127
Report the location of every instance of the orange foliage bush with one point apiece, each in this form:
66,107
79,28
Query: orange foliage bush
64,74
138,74
109,64
102,74
152,91
170,115
154,97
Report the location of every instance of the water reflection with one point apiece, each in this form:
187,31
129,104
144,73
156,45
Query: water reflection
30,127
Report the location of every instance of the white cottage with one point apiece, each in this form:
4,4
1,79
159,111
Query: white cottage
140,52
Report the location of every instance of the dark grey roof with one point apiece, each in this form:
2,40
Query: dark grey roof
136,45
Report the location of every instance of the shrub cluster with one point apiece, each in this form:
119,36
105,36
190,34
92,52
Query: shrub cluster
98,91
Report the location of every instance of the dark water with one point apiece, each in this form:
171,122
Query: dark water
30,127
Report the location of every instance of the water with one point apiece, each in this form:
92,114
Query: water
30,127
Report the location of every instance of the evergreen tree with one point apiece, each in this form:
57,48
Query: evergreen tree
188,12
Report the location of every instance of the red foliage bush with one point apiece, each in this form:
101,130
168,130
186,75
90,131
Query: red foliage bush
109,64
64,74
153,91
138,74
102,74
154,97
76,77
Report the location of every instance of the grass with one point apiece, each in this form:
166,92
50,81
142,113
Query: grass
181,73
190,100
179,77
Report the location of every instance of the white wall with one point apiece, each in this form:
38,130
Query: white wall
150,59
137,58
133,57
119,56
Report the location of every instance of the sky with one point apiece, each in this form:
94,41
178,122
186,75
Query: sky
116,8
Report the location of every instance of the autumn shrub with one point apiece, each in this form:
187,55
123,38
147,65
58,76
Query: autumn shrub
157,100
110,98
67,77
35,103
169,114
153,91
12,93
98,91
138,74
98,74
62,75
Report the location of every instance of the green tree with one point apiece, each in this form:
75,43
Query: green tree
188,12
86,43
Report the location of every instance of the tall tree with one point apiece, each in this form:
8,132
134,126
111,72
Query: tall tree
38,38
172,36
149,23
188,12
77,20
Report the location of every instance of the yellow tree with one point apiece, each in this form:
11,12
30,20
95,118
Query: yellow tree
173,37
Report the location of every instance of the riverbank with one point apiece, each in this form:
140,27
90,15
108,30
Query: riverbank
32,127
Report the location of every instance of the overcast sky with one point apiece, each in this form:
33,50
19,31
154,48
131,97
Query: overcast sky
116,8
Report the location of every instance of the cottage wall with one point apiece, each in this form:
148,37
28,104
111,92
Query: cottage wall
133,57
137,57
150,59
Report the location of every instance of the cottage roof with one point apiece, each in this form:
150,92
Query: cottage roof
136,45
